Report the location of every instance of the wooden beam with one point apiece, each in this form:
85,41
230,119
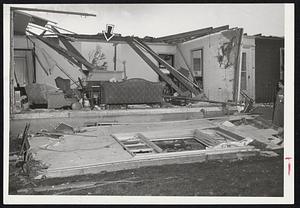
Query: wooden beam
205,138
68,54
68,45
152,160
122,145
149,143
182,37
237,69
201,100
184,60
33,16
154,67
180,77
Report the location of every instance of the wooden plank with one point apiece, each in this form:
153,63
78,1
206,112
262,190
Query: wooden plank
236,68
184,35
67,44
124,147
144,146
134,145
154,67
226,136
181,37
205,137
149,143
63,134
200,136
68,54
228,131
180,77
184,59
142,150
148,160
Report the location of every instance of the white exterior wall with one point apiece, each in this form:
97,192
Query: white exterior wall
136,67
217,81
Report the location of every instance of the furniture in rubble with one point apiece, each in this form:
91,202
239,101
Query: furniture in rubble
105,75
132,91
64,85
42,94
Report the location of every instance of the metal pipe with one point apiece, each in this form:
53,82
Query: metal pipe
53,11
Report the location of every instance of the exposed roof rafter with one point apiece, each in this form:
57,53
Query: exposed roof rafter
182,37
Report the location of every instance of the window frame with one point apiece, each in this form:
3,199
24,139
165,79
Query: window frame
202,61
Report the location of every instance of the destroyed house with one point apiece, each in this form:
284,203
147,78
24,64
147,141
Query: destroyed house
55,68
205,59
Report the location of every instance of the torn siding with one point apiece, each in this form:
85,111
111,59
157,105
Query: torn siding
220,51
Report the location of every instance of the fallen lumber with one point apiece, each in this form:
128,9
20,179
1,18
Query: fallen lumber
153,160
205,138
202,100
149,143
63,134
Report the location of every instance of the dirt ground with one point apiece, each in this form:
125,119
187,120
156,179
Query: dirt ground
255,176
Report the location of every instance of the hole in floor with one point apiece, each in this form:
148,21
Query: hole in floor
178,145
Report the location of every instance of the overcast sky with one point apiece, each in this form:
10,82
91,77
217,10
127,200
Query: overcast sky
165,19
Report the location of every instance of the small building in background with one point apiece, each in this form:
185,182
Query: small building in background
262,66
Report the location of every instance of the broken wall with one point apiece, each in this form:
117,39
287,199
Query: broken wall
219,62
48,62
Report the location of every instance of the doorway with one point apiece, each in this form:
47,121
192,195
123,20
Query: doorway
248,72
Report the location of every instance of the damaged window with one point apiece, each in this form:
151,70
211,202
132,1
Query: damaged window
197,58
167,58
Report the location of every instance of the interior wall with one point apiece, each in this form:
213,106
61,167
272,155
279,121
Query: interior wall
136,67
50,60
218,79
